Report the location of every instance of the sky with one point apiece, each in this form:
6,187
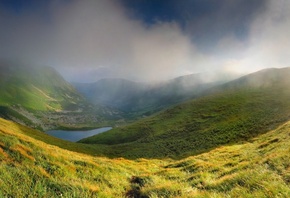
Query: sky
145,40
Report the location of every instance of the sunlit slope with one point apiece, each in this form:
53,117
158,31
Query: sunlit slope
37,88
32,168
232,112
259,168
39,97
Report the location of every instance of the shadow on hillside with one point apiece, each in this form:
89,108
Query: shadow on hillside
130,150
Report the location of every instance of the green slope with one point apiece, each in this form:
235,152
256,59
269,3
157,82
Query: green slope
41,98
233,112
37,88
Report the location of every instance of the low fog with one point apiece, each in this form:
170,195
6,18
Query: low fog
89,40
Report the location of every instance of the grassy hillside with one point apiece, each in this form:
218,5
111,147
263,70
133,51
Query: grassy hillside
37,88
232,143
30,167
236,112
41,98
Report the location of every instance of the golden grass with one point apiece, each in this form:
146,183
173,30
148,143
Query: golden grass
33,168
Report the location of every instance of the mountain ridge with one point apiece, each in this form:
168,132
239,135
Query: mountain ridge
138,99
225,115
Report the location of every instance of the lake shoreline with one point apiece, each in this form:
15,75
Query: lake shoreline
76,135
81,128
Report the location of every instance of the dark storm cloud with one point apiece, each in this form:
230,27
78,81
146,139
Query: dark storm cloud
205,21
89,39
218,19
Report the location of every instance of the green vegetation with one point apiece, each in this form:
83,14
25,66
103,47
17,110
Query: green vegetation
5,112
40,98
235,112
200,125
37,88
234,142
32,168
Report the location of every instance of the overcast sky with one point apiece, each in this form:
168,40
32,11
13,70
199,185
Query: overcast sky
145,40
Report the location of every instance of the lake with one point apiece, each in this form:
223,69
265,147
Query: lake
75,136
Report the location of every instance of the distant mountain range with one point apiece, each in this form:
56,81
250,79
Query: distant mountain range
143,99
40,97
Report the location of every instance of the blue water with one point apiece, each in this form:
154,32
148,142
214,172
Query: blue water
75,136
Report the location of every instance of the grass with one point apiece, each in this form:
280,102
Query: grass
34,88
200,125
234,143
30,167
5,112
40,98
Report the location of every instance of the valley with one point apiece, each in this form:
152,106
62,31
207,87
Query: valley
144,99
230,140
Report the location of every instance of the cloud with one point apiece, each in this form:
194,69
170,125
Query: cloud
88,40
269,43
96,34
266,46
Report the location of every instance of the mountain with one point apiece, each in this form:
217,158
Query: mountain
40,97
265,78
233,112
141,99
117,93
37,88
